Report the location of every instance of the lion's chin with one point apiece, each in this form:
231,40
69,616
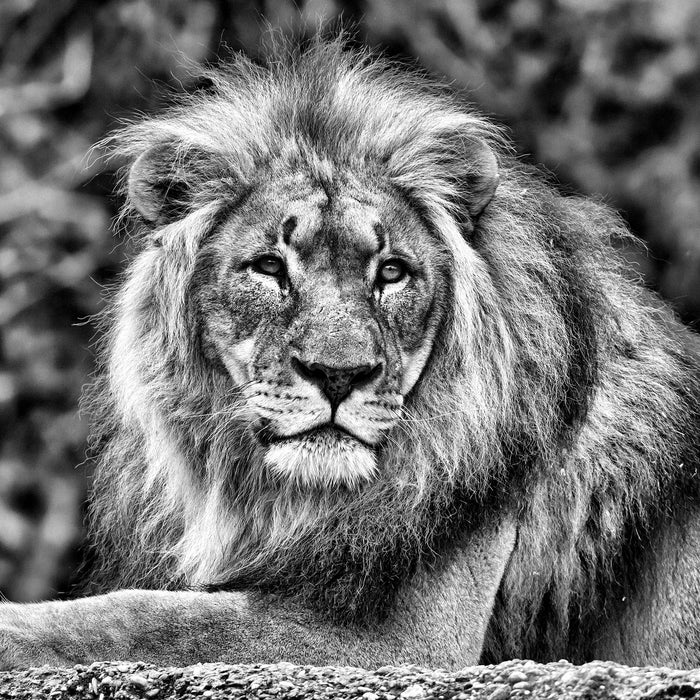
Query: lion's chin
322,459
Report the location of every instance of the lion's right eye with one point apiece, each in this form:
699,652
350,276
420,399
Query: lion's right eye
269,265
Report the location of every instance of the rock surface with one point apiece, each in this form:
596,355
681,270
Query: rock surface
513,679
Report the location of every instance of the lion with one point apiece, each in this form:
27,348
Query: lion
373,392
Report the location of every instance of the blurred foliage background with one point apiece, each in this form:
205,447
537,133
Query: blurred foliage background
605,93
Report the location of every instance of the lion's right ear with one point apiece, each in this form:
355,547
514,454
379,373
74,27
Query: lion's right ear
164,180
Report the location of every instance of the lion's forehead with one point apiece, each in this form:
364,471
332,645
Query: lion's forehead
311,218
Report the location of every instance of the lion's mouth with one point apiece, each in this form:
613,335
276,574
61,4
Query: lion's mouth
323,434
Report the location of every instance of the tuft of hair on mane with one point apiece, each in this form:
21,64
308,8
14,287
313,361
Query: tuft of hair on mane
556,386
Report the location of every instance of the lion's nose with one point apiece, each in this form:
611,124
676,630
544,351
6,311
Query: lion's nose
336,382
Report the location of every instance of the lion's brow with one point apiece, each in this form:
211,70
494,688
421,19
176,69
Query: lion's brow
381,236
288,226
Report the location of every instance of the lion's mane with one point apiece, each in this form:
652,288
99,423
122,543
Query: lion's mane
556,386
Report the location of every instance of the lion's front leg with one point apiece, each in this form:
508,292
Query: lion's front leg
21,647
153,626
29,637
39,634
169,628
439,619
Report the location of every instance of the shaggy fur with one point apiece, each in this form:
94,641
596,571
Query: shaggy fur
555,386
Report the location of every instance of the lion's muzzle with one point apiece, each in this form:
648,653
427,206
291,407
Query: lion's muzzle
336,383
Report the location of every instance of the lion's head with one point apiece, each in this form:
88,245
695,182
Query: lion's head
320,298
355,327
321,286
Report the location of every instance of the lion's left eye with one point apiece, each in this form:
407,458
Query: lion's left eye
391,271
269,265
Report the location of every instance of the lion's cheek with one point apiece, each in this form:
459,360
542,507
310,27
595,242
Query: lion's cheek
408,312
238,360
413,364
251,307
413,322
234,323
223,343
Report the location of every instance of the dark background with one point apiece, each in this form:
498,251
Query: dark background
605,93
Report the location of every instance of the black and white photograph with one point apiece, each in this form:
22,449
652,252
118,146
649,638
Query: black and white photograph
350,349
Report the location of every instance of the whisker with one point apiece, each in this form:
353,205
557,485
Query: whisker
437,416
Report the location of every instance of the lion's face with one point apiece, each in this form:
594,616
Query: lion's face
322,305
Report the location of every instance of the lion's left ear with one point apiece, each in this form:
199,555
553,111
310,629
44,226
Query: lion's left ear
456,168
475,168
